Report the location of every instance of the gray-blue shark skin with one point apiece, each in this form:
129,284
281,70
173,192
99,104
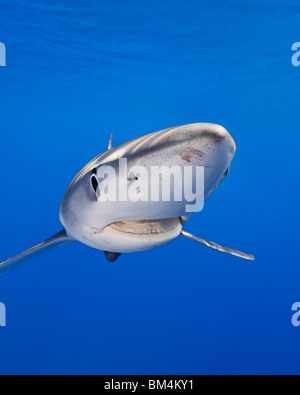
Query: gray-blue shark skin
125,226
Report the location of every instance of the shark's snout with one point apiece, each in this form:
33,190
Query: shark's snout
220,135
230,142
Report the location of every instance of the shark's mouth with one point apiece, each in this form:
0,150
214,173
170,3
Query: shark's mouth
146,227
142,235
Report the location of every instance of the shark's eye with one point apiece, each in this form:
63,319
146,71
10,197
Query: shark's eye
95,183
226,173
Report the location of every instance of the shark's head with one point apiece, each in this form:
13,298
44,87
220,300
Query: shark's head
124,225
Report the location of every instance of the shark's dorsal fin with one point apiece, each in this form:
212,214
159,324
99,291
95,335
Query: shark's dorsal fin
110,142
56,241
218,247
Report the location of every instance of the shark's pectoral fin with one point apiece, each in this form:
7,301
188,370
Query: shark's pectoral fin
112,256
56,241
218,247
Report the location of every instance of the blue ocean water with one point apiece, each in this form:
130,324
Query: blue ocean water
78,71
